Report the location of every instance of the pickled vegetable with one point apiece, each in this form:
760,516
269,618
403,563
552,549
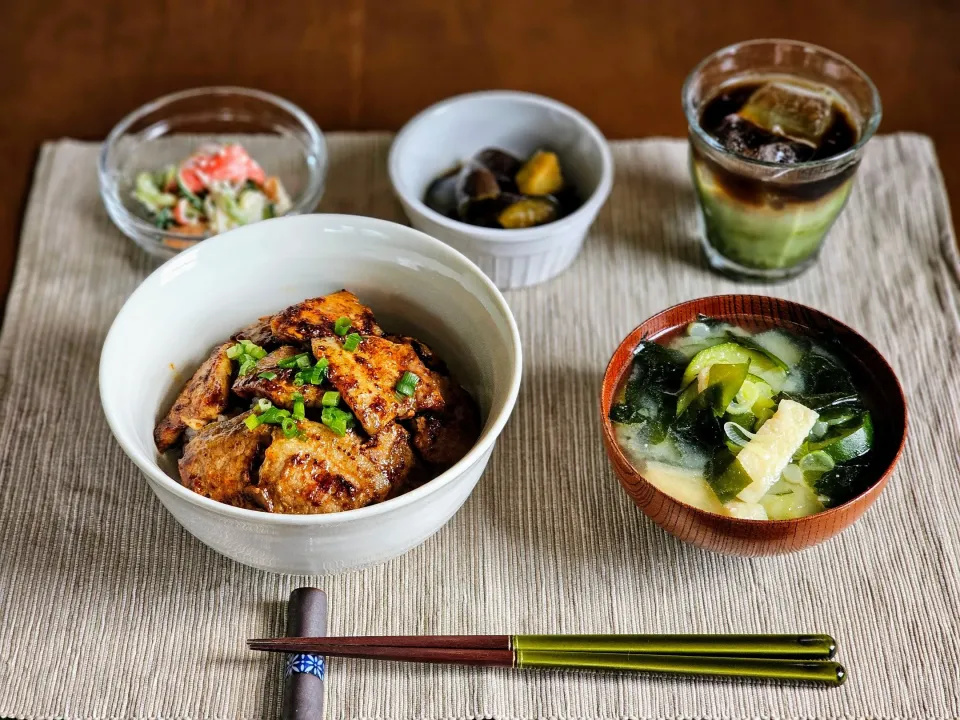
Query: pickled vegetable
501,163
540,175
486,191
441,194
474,184
528,212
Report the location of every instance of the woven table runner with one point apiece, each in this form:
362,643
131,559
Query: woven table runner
108,609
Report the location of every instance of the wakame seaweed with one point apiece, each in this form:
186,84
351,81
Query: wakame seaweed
646,397
843,483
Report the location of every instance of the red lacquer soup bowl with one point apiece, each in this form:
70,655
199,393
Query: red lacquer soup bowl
875,380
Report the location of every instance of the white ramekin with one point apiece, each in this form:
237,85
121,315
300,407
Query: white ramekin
454,130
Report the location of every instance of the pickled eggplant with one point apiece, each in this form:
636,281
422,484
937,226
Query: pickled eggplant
441,195
500,163
475,184
499,190
765,425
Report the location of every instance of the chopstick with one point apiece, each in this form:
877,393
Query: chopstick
490,655
769,646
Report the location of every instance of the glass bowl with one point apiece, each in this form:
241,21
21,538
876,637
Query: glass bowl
279,135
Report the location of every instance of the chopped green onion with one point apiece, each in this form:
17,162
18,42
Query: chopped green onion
337,420
268,375
408,384
737,434
253,349
247,365
318,372
303,361
817,462
299,379
235,351
351,342
341,326
289,427
263,405
287,363
252,421
331,398
274,416
299,407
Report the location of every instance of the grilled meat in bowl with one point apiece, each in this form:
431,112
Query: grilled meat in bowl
315,410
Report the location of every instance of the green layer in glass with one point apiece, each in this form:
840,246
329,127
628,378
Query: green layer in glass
764,237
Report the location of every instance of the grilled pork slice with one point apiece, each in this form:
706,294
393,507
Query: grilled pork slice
367,380
316,318
258,333
280,390
443,438
322,472
202,399
423,351
219,462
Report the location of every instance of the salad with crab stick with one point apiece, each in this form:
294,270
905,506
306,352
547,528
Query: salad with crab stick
217,188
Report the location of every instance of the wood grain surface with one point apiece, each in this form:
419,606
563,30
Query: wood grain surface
75,67
875,379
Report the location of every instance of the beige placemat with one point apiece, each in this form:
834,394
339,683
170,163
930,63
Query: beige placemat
108,609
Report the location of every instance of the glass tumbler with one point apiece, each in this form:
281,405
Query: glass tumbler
766,220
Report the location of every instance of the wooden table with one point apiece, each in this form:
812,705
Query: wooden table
73,67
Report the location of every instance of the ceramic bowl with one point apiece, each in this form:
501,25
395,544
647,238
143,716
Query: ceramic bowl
454,130
415,284
876,380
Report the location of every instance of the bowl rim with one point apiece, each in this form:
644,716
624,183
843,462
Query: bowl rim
447,255
317,149
589,209
614,447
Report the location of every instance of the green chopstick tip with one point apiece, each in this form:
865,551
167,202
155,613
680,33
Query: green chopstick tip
841,675
826,644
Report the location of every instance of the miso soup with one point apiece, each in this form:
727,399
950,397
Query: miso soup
763,425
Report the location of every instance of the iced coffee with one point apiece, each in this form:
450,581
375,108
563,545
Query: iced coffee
777,131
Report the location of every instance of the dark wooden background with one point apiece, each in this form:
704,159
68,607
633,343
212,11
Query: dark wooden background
74,67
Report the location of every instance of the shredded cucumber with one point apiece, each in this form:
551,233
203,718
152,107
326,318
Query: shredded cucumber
150,196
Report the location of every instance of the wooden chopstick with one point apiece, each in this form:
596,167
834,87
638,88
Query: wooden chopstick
818,671
769,646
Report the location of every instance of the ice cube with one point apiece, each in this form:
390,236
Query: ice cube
779,152
740,136
744,138
791,111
